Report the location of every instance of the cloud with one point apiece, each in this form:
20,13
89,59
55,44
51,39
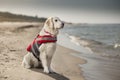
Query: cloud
69,4
66,8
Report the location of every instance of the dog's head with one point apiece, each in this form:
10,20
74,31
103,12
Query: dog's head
54,23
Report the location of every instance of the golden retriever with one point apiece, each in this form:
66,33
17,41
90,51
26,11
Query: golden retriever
51,27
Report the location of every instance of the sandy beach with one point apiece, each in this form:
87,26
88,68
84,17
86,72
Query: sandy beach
14,38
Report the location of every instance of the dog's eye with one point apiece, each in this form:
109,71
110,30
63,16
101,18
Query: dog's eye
56,20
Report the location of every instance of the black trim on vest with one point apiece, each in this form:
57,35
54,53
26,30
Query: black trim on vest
35,50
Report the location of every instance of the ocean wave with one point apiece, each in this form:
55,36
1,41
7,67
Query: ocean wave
96,46
74,40
116,45
77,40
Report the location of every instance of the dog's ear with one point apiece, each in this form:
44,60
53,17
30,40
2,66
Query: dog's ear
49,23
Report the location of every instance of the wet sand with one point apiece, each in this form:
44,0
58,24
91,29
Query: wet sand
14,39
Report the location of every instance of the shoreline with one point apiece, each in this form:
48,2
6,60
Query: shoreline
64,55
102,58
12,51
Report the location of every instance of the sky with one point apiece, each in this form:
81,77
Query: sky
77,11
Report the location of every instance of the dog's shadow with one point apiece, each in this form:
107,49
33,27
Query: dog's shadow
54,75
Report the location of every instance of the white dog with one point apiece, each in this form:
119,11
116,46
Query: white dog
45,49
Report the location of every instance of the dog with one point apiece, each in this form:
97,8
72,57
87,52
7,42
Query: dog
46,50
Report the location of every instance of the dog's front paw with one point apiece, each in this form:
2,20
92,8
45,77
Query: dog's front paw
46,70
26,66
51,70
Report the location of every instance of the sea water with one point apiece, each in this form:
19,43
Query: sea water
105,33
99,44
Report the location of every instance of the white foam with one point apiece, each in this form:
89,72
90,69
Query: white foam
74,40
116,45
78,41
66,41
89,49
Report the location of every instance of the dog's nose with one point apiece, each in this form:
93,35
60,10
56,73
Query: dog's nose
62,25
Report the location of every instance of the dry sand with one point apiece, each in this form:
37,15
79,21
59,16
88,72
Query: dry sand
14,38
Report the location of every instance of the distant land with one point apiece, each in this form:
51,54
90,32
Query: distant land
10,17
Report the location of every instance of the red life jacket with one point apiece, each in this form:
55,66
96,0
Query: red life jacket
34,46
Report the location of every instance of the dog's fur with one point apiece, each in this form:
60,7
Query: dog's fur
52,25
